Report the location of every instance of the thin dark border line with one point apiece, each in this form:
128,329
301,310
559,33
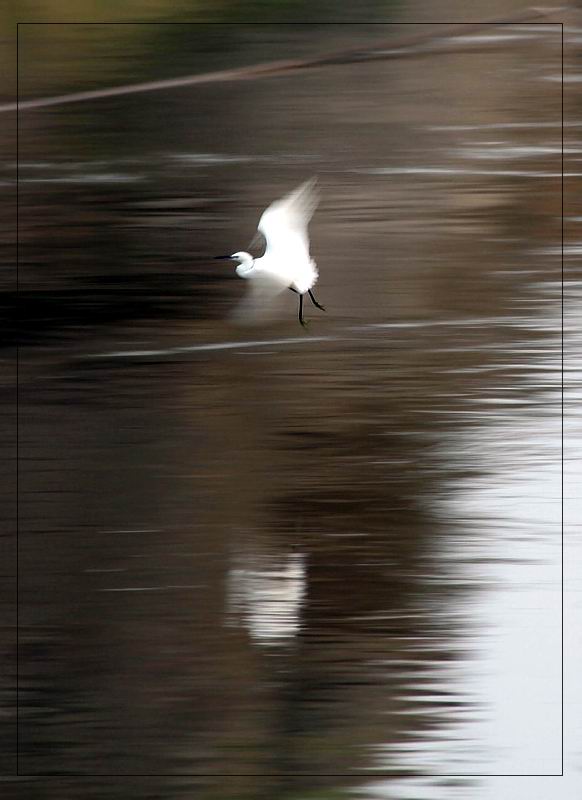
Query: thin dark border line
362,775
292,24
17,414
562,396
372,774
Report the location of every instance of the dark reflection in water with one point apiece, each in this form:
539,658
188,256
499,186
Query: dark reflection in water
296,564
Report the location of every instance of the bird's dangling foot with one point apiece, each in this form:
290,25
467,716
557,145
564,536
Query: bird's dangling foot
301,320
314,301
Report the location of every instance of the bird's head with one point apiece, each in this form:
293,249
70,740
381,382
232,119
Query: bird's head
242,257
245,261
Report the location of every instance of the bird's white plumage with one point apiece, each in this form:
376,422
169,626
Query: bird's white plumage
286,262
284,226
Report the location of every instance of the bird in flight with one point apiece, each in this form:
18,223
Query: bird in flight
286,263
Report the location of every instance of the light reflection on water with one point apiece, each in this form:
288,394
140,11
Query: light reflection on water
284,556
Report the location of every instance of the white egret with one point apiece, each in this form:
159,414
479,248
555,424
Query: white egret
286,263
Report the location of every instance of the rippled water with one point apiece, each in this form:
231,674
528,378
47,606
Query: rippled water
267,563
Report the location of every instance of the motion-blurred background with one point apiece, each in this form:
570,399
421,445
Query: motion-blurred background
263,563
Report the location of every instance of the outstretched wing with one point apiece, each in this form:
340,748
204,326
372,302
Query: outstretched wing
284,223
260,301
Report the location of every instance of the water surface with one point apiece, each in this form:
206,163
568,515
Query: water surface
258,562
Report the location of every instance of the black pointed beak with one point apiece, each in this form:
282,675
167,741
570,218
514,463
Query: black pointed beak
222,258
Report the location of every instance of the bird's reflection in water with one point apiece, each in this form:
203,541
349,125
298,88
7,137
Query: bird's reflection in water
266,595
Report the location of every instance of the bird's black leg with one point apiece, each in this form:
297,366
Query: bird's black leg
314,301
301,320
